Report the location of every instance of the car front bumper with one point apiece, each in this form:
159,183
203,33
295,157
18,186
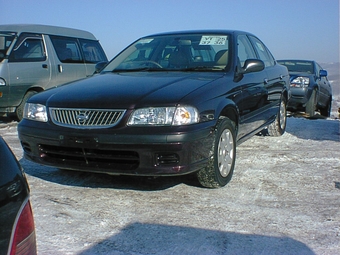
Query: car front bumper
299,97
149,152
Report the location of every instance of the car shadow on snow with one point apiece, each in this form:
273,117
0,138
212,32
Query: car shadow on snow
314,128
99,180
145,238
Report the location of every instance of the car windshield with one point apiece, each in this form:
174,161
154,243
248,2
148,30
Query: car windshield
6,39
184,52
298,66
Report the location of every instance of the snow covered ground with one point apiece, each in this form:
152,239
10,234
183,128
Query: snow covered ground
284,198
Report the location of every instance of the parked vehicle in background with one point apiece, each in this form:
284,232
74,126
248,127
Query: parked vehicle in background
169,104
36,57
17,231
310,88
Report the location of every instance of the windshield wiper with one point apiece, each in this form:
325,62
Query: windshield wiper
137,70
201,68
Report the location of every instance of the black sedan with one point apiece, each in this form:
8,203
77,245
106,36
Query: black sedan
310,88
17,231
169,104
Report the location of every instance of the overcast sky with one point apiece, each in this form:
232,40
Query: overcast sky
305,29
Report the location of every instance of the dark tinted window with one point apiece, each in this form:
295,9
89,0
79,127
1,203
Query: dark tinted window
28,48
93,52
67,49
298,66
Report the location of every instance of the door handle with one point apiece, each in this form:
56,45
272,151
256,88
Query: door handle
44,66
60,68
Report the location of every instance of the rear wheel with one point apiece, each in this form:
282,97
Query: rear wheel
19,112
220,167
311,104
278,127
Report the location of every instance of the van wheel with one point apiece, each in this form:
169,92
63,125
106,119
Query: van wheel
20,109
220,166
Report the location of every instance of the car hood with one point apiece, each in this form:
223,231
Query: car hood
126,90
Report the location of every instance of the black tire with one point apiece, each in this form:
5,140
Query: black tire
220,167
311,104
278,127
19,111
326,112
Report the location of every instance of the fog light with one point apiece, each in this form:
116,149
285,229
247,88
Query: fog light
167,158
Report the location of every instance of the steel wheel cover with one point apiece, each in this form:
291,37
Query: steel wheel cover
225,152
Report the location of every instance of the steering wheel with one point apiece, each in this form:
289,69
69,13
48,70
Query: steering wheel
152,62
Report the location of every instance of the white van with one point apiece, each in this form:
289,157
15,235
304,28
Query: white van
36,57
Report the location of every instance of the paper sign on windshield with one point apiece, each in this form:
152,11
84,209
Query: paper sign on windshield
213,40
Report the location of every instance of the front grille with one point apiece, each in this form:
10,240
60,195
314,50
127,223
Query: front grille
89,158
86,118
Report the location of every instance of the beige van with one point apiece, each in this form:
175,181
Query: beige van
36,57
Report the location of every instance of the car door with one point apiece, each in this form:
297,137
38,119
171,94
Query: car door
324,85
253,90
273,82
69,62
28,66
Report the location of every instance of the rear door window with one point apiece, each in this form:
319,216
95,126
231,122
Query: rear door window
67,49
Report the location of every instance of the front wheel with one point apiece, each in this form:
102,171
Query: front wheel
311,104
326,112
278,127
220,167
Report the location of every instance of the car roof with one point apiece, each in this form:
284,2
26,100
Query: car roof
47,29
295,60
205,31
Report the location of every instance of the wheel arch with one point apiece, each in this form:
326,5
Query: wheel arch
35,89
230,111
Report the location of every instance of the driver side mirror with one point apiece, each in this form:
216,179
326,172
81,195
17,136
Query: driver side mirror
100,66
250,66
323,73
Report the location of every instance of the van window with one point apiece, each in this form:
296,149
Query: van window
93,52
6,39
67,49
28,48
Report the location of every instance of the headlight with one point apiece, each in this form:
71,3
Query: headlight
164,116
300,82
35,112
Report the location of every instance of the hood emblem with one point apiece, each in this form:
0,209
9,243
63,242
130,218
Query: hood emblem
82,117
